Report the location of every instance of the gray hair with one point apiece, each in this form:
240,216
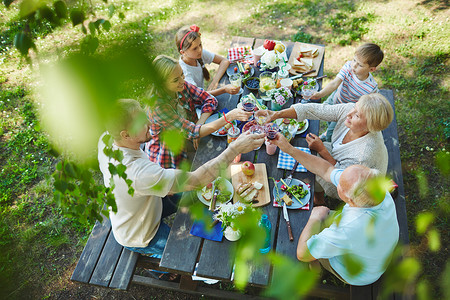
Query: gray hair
358,191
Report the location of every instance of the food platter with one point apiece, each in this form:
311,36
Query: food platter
230,70
237,177
229,187
295,204
316,61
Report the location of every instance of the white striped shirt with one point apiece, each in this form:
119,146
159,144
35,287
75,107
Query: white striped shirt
351,88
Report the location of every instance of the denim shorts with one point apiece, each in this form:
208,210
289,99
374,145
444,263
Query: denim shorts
156,246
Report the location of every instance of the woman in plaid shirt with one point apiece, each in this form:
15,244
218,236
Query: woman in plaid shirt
174,109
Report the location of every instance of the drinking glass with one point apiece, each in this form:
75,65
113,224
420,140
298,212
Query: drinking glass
271,130
261,116
309,90
266,83
258,129
248,104
232,135
236,80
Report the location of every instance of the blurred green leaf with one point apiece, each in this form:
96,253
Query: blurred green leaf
443,162
91,27
174,139
423,290
352,264
423,221
111,10
83,29
434,240
377,187
291,279
60,9
7,3
121,16
400,275
44,12
422,182
106,25
23,43
77,17
70,169
28,7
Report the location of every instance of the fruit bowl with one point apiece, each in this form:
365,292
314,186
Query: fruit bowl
252,83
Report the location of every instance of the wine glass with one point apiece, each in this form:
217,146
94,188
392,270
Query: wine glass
271,130
261,116
236,80
248,104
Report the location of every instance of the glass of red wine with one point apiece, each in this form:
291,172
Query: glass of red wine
248,104
271,130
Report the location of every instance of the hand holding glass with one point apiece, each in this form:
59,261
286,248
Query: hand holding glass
261,116
308,91
271,130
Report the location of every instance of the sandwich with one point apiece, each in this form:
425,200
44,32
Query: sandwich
248,192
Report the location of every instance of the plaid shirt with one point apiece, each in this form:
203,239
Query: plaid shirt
179,115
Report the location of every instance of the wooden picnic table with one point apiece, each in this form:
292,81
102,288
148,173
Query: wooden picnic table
215,259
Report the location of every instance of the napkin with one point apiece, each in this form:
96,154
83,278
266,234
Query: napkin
278,204
285,161
199,229
242,54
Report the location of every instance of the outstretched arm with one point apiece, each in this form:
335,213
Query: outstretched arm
314,226
312,163
223,65
210,170
328,89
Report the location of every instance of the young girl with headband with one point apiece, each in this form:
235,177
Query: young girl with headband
174,109
193,59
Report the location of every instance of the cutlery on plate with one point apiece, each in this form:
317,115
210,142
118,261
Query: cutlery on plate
212,205
285,211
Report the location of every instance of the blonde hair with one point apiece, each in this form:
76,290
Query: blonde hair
370,53
122,117
164,65
358,192
187,43
377,110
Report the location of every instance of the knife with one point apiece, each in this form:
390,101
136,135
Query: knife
285,212
302,74
286,217
212,205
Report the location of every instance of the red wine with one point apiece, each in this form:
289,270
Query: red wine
271,134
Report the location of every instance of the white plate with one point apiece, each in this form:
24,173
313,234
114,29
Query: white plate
295,204
304,128
229,187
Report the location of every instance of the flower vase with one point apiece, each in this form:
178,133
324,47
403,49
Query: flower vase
275,106
232,234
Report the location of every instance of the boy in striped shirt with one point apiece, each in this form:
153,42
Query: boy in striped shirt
353,81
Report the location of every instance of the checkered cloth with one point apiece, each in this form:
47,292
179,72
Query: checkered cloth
278,204
285,161
242,54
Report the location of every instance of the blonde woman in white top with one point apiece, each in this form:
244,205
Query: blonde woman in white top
357,138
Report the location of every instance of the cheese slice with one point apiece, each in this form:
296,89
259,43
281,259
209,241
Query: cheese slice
251,196
298,63
307,61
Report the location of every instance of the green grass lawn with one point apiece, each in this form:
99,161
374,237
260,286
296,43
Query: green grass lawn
38,246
